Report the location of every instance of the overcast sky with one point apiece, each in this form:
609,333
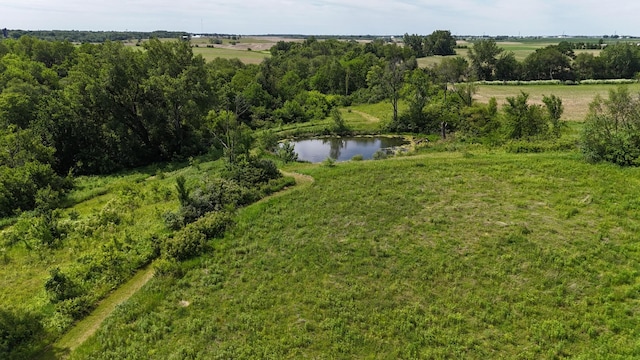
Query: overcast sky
330,17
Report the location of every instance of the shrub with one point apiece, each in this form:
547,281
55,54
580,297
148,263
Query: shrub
250,171
60,287
76,308
18,333
612,129
213,224
329,162
286,152
380,155
168,267
185,244
275,185
357,157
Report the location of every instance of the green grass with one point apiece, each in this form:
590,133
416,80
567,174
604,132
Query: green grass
576,99
247,57
360,119
148,194
462,255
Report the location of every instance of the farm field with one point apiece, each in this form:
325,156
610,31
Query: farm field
475,254
244,55
576,99
520,49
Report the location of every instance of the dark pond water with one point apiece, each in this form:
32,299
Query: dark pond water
344,148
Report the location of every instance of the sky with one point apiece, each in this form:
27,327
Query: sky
329,17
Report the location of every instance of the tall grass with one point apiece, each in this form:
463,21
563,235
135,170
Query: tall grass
469,255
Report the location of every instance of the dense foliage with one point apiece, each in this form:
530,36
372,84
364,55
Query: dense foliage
612,129
555,62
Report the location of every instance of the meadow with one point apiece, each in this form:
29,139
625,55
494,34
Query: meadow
575,98
474,254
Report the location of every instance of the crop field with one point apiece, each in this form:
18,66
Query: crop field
575,98
244,55
520,49
474,254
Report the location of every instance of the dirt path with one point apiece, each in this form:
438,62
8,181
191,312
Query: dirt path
89,325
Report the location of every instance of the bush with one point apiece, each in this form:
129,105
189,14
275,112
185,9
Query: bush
185,244
276,185
286,152
380,155
250,171
60,287
612,129
357,157
76,308
213,224
168,267
19,332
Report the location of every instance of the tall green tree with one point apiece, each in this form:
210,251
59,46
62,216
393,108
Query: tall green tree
484,56
440,42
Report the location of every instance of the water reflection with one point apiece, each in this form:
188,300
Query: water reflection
341,149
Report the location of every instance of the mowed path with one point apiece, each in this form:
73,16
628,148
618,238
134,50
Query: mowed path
89,325
370,118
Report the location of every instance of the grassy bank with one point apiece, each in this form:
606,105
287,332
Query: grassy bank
483,255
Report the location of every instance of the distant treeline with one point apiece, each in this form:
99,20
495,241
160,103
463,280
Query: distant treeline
99,108
94,36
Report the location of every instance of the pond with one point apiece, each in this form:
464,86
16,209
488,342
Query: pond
343,148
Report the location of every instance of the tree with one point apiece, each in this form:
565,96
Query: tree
548,63
587,66
392,81
612,129
622,61
416,43
522,120
418,89
507,67
233,136
555,109
440,42
483,57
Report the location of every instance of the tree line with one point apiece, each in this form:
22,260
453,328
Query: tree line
99,108
487,61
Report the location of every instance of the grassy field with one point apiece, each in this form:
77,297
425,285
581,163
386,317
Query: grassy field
576,99
372,257
520,49
244,55
444,255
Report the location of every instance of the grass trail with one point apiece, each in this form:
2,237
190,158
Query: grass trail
88,326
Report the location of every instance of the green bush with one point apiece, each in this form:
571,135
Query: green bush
60,287
185,244
380,155
286,152
212,224
76,308
251,171
612,129
19,334
168,267
276,185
